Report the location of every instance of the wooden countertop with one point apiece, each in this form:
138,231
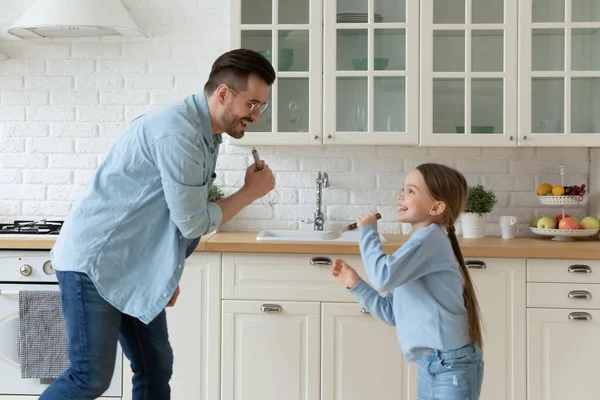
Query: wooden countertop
492,246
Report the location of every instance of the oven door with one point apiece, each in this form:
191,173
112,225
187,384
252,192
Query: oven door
11,382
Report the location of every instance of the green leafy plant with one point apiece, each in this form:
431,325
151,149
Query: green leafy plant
214,194
479,200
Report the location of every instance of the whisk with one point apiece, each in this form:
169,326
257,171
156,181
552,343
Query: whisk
271,198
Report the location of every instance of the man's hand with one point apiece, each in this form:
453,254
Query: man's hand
171,302
345,274
258,183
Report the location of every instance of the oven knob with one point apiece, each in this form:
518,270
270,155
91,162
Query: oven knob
48,269
25,269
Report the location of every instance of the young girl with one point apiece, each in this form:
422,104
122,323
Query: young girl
430,297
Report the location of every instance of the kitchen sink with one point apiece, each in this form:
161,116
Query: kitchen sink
308,236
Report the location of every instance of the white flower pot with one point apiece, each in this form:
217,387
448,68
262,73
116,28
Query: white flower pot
473,225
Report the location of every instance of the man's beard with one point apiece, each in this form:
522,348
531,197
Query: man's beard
232,122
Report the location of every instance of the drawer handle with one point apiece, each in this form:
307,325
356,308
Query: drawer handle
580,294
269,308
320,261
364,311
580,316
475,264
580,269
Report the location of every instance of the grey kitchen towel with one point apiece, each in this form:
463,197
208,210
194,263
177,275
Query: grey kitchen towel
42,336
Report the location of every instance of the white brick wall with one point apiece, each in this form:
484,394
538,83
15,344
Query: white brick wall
64,101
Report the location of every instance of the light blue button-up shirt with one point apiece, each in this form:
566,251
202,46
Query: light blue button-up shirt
129,229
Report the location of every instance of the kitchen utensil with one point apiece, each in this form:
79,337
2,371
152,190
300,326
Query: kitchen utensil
272,197
257,160
337,233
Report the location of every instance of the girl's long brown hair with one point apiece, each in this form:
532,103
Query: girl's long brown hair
450,186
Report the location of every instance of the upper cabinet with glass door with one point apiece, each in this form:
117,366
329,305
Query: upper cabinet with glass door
371,72
469,73
289,34
560,73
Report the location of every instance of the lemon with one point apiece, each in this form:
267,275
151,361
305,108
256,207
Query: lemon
558,190
544,189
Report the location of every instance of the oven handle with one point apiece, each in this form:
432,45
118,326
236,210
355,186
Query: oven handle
9,292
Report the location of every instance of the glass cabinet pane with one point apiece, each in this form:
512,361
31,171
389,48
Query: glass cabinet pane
293,108
390,104
351,102
547,105
257,12
260,41
487,106
294,52
265,124
585,49
449,51
390,11
352,46
487,11
548,11
585,99
390,49
548,50
293,11
449,11
585,11
354,11
487,53
448,105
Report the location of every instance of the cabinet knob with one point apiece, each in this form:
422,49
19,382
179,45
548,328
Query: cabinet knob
321,261
25,269
511,138
580,269
270,308
364,311
580,295
580,316
329,136
475,264
525,137
316,137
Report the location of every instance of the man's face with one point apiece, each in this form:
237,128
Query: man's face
243,108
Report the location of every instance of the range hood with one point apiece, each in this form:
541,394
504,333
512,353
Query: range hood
73,18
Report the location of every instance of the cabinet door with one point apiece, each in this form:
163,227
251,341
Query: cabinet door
361,357
194,332
270,350
562,351
559,73
468,73
288,33
371,59
501,285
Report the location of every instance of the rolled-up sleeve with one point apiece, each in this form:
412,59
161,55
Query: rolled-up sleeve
180,160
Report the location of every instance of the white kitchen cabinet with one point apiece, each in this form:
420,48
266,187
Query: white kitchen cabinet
194,332
361,358
501,286
468,73
563,318
270,350
559,73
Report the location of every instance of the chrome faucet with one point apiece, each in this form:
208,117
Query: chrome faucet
319,221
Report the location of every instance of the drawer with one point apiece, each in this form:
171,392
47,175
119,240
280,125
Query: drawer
563,271
295,277
563,295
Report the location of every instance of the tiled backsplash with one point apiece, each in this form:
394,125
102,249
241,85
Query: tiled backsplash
62,103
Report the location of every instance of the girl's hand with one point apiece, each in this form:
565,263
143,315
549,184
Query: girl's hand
366,219
345,274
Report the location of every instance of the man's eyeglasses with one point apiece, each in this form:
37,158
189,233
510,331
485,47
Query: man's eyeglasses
253,104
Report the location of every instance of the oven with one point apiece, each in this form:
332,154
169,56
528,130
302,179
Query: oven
28,270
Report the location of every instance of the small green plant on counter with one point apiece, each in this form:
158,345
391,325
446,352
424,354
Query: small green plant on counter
479,200
214,194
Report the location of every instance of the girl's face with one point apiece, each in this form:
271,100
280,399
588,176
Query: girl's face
415,205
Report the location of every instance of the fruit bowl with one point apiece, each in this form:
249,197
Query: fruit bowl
564,235
573,200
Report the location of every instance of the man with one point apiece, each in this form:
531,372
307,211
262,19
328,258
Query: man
121,251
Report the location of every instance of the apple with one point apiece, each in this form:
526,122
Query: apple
560,216
546,223
568,223
534,221
589,223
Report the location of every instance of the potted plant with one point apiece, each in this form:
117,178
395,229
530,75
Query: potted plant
480,203
214,194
